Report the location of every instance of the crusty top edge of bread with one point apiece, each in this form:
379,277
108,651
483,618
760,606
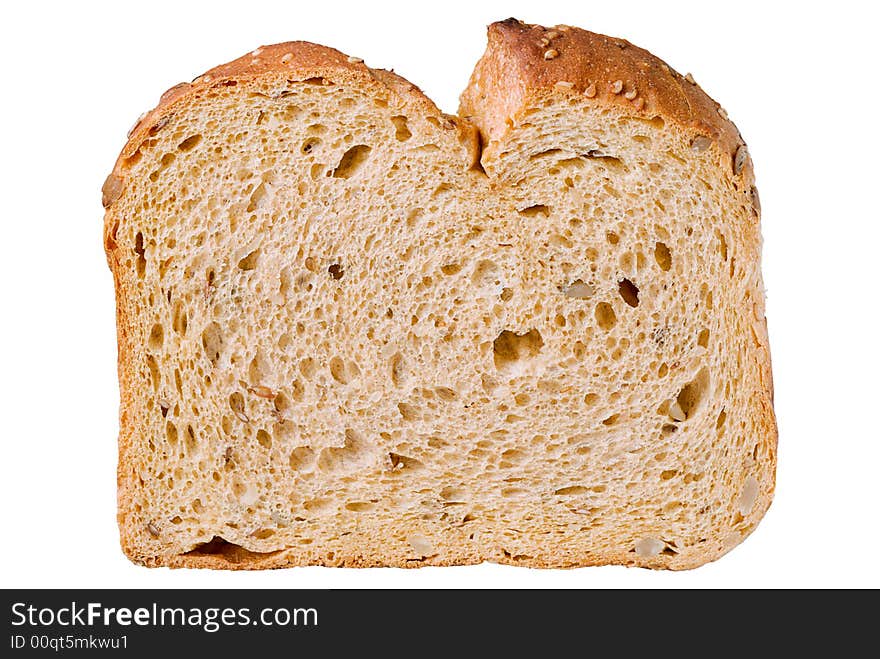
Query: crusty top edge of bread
525,62
296,60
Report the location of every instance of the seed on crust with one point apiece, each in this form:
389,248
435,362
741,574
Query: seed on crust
722,112
616,86
355,60
286,58
136,124
551,54
170,91
631,94
159,125
739,158
152,529
563,28
590,91
552,34
688,77
111,190
639,103
564,84
544,42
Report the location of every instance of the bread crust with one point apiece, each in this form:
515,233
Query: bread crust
517,67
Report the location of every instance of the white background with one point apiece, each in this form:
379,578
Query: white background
801,84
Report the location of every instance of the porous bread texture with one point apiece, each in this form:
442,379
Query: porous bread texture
343,340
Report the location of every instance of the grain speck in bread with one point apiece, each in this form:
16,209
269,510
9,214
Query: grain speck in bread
356,331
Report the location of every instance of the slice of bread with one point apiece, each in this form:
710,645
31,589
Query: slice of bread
356,331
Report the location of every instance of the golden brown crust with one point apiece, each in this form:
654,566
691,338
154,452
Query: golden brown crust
523,62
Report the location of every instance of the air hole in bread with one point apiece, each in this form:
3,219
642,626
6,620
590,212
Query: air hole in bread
703,338
257,198
156,338
190,143
612,237
171,433
336,271
719,422
571,490
212,342
408,412
398,370
722,244
450,269
179,320
164,164
663,256
132,160
511,457
264,439
486,273
611,162
629,292
654,122
281,403
401,463
301,458
355,453
510,348
453,494
360,506
534,211
545,154
250,261
139,251
309,145
522,399
351,161
605,316
308,367
693,393
191,443
236,404
446,394
263,534
338,371
401,131
611,420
